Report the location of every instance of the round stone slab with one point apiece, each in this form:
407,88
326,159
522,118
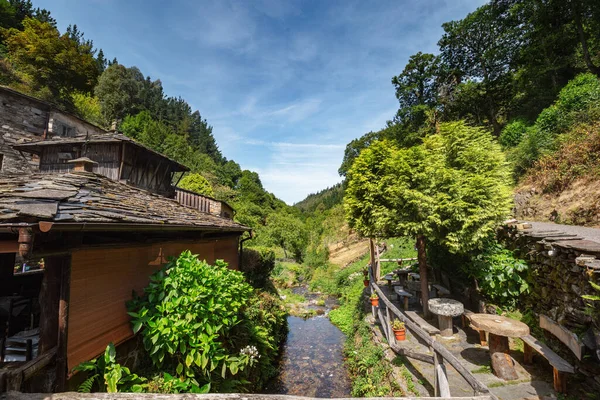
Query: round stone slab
498,325
446,307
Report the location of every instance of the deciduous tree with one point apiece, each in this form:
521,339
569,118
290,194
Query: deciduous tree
452,189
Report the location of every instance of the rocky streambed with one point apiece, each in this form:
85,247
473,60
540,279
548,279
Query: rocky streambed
312,362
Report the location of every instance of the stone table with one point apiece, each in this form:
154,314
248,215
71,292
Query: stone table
402,274
500,329
445,309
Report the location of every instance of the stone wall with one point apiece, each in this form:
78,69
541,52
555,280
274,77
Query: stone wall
24,119
21,120
561,266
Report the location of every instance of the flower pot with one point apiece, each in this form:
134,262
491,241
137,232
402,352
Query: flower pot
366,282
375,302
400,334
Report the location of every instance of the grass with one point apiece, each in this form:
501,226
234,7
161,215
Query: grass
484,369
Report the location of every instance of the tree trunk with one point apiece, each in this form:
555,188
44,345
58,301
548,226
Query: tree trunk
422,257
583,40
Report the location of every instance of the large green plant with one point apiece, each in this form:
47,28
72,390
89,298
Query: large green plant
186,316
106,375
499,274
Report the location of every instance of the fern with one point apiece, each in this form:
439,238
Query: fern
86,386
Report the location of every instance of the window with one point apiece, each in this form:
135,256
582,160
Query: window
60,128
1,160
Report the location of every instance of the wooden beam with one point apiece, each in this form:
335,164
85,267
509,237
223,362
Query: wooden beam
442,387
563,334
49,301
9,246
122,160
63,320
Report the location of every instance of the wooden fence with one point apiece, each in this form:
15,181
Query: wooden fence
193,200
440,356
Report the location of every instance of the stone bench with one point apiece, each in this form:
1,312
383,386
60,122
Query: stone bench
426,326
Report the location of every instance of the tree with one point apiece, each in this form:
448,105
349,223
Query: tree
196,183
288,232
481,49
451,190
118,91
417,90
51,64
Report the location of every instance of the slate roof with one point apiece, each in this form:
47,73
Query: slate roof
88,198
108,137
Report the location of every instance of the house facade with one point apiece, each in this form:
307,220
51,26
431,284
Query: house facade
84,221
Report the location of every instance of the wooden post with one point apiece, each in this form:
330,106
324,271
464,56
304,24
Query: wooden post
63,319
405,303
422,256
49,299
389,325
482,338
377,264
560,381
502,363
373,261
527,353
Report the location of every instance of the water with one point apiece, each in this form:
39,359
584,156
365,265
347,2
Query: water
312,362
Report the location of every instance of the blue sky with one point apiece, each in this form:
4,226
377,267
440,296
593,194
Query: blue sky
285,84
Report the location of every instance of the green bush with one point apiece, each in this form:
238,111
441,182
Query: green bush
196,183
186,318
258,264
512,133
577,103
500,275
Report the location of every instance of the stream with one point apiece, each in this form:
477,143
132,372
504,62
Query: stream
312,361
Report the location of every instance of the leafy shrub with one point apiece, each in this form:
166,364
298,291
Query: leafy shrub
186,318
257,265
578,103
578,155
513,132
499,274
106,375
534,144
572,106
196,183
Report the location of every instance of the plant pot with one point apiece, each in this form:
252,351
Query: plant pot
400,334
375,302
366,282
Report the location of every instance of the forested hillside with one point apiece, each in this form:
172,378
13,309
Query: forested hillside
67,70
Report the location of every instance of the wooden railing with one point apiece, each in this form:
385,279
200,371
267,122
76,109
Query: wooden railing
193,200
440,355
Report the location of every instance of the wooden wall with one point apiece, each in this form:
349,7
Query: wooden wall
143,169
102,281
107,155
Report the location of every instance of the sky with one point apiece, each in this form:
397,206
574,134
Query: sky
284,84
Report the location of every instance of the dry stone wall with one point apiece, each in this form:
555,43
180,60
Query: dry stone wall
561,266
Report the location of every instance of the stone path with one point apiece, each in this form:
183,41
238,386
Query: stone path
592,234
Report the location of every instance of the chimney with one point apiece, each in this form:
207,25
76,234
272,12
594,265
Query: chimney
83,164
